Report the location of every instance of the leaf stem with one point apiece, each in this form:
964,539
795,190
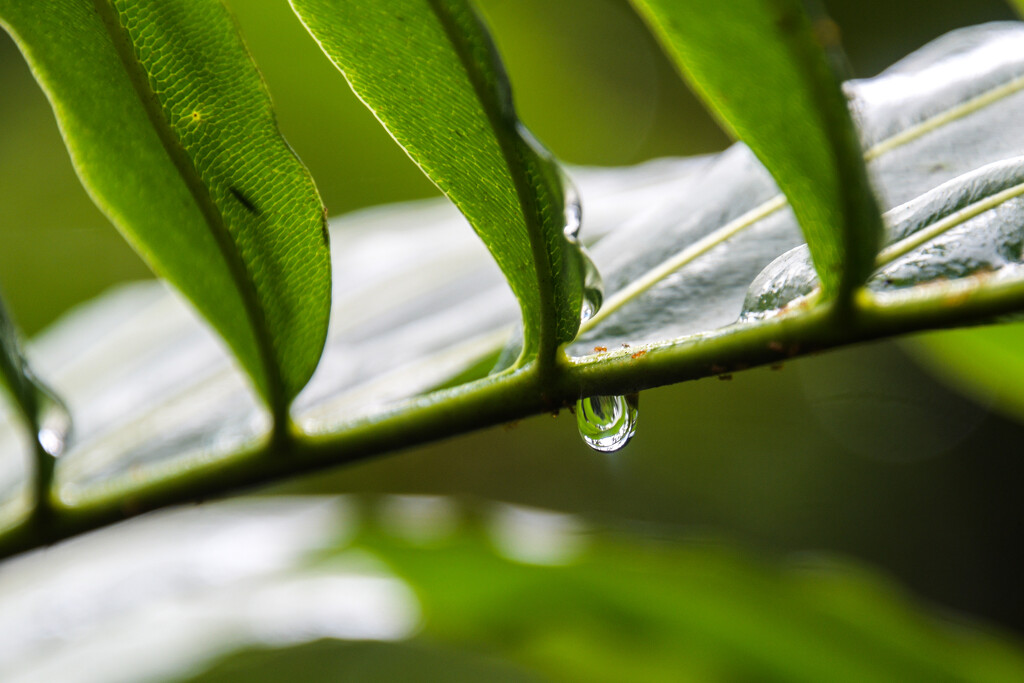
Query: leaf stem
525,391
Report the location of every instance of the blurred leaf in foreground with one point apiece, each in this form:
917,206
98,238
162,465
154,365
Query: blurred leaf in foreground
487,590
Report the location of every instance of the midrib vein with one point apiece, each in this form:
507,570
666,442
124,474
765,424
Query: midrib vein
139,77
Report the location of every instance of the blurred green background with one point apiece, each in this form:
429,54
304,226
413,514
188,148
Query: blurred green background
860,452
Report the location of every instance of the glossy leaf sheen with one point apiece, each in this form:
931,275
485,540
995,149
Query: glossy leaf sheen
170,127
777,93
973,224
428,71
924,122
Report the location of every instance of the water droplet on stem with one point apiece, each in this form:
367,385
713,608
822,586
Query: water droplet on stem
54,424
607,423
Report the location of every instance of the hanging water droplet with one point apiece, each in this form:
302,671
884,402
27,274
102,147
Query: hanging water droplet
54,423
593,288
573,208
607,423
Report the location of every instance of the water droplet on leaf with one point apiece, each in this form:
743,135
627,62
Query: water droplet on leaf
607,423
54,423
593,289
573,209
593,286
782,282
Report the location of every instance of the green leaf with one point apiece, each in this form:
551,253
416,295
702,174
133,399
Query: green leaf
983,362
429,72
396,588
929,155
170,127
760,66
684,244
581,604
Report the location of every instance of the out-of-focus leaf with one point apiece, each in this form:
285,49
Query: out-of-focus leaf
153,393
614,608
985,362
759,64
330,661
429,72
285,585
170,127
158,598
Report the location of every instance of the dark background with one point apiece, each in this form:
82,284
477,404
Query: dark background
861,453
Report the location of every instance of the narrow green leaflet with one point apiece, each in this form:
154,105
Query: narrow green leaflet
760,66
429,72
171,129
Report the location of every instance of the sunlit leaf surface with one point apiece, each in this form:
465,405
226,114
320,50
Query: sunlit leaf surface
170,127
404,587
